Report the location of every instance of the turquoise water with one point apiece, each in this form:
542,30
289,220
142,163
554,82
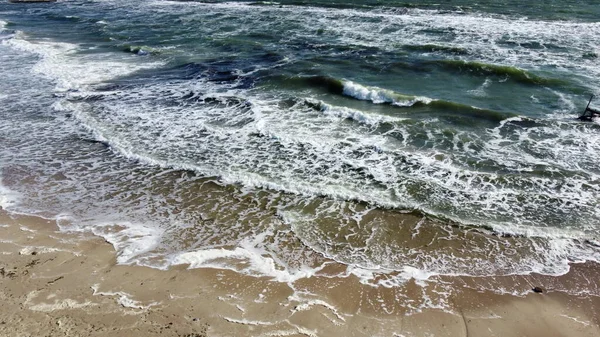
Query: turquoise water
460,112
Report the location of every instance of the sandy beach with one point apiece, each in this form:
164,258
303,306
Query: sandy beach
68,284
299,168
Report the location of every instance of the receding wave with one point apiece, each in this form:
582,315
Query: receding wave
358,91
514,73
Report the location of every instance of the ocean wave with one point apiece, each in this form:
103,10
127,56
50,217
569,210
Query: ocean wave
366,168
362,92
378,95
485,69
197,118
375,162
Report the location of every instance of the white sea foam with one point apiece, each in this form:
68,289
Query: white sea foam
124,299
446,174
379,95
28,250
8,198
368,275
306,304
129,239
357,115
60,62
578,320
326,157
248,259
326,145
481,90
66,304
387,264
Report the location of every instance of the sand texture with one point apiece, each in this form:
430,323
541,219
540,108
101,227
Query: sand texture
68,284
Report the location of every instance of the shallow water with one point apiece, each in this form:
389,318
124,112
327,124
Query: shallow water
400,141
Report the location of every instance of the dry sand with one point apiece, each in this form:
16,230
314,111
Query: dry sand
68,284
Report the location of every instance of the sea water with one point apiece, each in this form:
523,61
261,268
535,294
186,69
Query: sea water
407,140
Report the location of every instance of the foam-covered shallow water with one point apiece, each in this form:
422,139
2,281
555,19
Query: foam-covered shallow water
402,143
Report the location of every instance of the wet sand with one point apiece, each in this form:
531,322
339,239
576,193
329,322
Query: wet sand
68,284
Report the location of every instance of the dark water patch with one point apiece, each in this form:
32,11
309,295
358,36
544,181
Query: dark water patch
241,103
185,72
259,36
533,45
467,110
102,143
104,87
66,18
414,67
330,84
443,34
87,98
317,106
432,48
338,50
235,71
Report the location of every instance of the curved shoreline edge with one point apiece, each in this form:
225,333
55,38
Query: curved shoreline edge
53,282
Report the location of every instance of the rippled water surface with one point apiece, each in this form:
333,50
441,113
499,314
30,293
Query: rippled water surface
412,139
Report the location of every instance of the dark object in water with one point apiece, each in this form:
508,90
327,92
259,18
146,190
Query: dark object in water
28,1
589,113
538,290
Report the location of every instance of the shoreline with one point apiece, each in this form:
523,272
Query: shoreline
56,283
211,183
